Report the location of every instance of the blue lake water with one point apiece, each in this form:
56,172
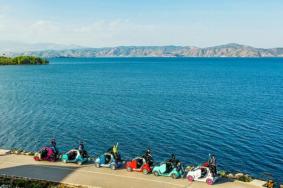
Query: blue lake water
187,106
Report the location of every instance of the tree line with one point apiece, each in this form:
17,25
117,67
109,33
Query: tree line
23,60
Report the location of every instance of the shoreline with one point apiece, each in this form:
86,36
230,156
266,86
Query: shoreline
162,57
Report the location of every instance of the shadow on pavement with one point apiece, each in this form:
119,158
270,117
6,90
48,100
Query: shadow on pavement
40,172
222,180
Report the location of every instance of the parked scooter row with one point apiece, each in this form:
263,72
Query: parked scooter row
172,167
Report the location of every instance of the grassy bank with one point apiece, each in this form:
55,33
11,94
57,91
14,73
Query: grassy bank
20,182
23,60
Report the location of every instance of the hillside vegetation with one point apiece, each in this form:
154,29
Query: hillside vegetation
23,60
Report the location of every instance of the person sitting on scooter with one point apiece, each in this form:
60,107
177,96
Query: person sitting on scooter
115,152
173,157
53,144
179,166
148,157
147,153
212,164
82,150
173,160
171,163
81,146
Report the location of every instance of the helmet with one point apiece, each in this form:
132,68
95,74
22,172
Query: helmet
115,149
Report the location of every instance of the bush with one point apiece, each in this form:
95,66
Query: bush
245,178
9,181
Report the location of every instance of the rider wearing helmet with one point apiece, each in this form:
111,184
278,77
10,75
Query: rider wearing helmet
148,157
173,160
53,144
81,146
212,164
82,149
114,150
171,163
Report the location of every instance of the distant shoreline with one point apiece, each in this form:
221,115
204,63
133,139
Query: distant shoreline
161,57
228,50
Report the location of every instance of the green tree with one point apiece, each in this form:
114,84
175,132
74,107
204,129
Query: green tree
23,60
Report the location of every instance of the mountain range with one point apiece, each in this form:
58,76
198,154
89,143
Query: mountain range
7,46
227,50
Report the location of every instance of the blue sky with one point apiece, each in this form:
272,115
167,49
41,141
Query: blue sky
99,23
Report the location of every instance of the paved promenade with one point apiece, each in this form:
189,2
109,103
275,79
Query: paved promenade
89,175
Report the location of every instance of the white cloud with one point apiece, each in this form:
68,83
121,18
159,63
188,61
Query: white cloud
4,9
102,33
98,33
109,33
25,22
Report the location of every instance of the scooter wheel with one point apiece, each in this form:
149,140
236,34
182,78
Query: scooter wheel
97,165
36,158
174,176
155,173
113,167
209,181
190,178
129,169
144,171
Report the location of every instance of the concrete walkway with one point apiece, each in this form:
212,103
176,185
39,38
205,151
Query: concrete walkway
90,176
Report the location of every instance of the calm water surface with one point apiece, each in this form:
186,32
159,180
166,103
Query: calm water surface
190,107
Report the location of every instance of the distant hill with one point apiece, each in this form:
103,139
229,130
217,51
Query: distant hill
22,47
228,50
